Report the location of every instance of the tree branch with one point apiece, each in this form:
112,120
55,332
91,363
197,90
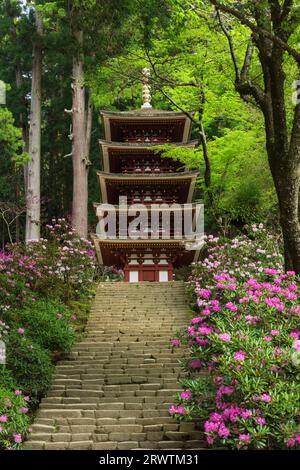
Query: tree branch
247,61
243,85
257,29
231,47
188,114
286,9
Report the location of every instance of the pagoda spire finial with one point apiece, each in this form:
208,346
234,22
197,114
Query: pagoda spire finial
146,88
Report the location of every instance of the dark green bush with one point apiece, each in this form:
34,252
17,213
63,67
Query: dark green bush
29,364
48,321
6,380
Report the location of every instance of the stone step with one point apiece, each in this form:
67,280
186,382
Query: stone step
114,389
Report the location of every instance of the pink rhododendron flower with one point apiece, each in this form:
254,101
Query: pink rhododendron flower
239,356
210,426
18,392
223,431
230,306
290,442
245,414
264,398
245,438
260,420
196,320
3,419
202,342
175,342
191,330
268,338
195,364
23,410
186,395
17,438
21,331
272,272
225,337
177,410
296,345
275,332
205,330
204,293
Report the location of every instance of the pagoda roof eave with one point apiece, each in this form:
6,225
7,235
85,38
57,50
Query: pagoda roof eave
101,244
119,241
146,176
106,146
133,145
142,113
162,177
151,207
145,114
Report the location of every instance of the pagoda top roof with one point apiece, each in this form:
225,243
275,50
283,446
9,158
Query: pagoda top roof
114,120
144,112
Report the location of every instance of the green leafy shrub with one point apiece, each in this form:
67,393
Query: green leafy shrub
45,293
245,334
6,380
29,364
48,321
14,420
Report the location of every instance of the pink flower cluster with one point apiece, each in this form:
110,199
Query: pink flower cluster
179,410
245,328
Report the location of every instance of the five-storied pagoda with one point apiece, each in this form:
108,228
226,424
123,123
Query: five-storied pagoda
134,174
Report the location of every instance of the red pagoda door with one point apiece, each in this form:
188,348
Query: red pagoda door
149,273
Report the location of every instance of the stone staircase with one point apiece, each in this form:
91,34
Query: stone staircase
114,390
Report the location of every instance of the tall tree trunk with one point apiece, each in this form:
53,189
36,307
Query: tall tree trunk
33,203
288,186
284,157
80,159
283,147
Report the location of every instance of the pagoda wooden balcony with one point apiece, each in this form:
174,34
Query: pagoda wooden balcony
163,223
148,169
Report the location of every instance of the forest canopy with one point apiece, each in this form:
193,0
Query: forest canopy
232,67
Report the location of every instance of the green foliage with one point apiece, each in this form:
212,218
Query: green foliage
29,364
241,180
46,290
11,142
47,321
244,331
13,418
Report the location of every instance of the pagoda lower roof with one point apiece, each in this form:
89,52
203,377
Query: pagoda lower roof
105,248
150,207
